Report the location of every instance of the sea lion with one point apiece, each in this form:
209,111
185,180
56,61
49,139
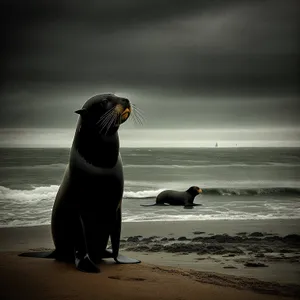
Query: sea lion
171,197
87,208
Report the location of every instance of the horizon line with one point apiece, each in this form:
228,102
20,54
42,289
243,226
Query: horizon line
246,128
158,147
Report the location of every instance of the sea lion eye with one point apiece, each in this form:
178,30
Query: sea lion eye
104,101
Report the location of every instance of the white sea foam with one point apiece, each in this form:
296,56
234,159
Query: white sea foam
211,165
207,165
142,194
42,167
204,217
44,193
161,217
28,196
49,192
33,207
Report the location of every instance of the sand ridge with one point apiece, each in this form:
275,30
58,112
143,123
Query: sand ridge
33,278
186,260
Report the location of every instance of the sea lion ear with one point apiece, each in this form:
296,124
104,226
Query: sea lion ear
81,111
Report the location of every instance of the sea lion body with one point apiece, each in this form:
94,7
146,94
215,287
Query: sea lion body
184,198
87,207
173,197
94,192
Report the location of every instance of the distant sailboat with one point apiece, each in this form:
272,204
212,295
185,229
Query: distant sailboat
216,145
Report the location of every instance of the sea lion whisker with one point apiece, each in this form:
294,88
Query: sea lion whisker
104,124
105,115
106,119
111,110
139,115
134,105
107,122
133,118
111,123
136,119
138,110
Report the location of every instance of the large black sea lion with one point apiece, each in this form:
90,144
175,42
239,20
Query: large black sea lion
87,208
185,198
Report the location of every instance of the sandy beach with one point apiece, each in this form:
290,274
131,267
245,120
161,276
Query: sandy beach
179,261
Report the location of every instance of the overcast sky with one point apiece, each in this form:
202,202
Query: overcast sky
202,64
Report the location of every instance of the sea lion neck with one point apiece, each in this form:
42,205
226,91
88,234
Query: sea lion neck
97,149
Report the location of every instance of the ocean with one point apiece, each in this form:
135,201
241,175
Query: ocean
237,183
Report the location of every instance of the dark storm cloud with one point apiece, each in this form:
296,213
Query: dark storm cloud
194,44
48,108
180,60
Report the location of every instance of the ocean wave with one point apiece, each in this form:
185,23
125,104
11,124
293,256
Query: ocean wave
222,192
210,165
251,191
50,166
33,207
192,165
37,194
142,194
205,217
33,195
155,217
44,193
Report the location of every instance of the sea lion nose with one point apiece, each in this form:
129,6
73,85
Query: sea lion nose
125,102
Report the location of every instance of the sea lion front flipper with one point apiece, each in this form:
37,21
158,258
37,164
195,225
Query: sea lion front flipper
155,204
82,260
188,206
121,259
85,264
115,242
39,254
107,253
116,233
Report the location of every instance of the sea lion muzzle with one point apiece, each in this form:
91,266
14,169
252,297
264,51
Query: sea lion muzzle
125,114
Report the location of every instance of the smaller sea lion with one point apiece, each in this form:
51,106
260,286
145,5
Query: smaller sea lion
171,197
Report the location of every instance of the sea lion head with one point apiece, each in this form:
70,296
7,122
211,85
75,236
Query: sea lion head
105,113
194,191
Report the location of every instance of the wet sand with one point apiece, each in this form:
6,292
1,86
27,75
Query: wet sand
180,260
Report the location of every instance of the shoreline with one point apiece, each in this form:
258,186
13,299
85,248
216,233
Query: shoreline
33,278
209,253
276,226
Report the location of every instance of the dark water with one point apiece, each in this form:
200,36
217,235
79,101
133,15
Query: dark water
237,183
